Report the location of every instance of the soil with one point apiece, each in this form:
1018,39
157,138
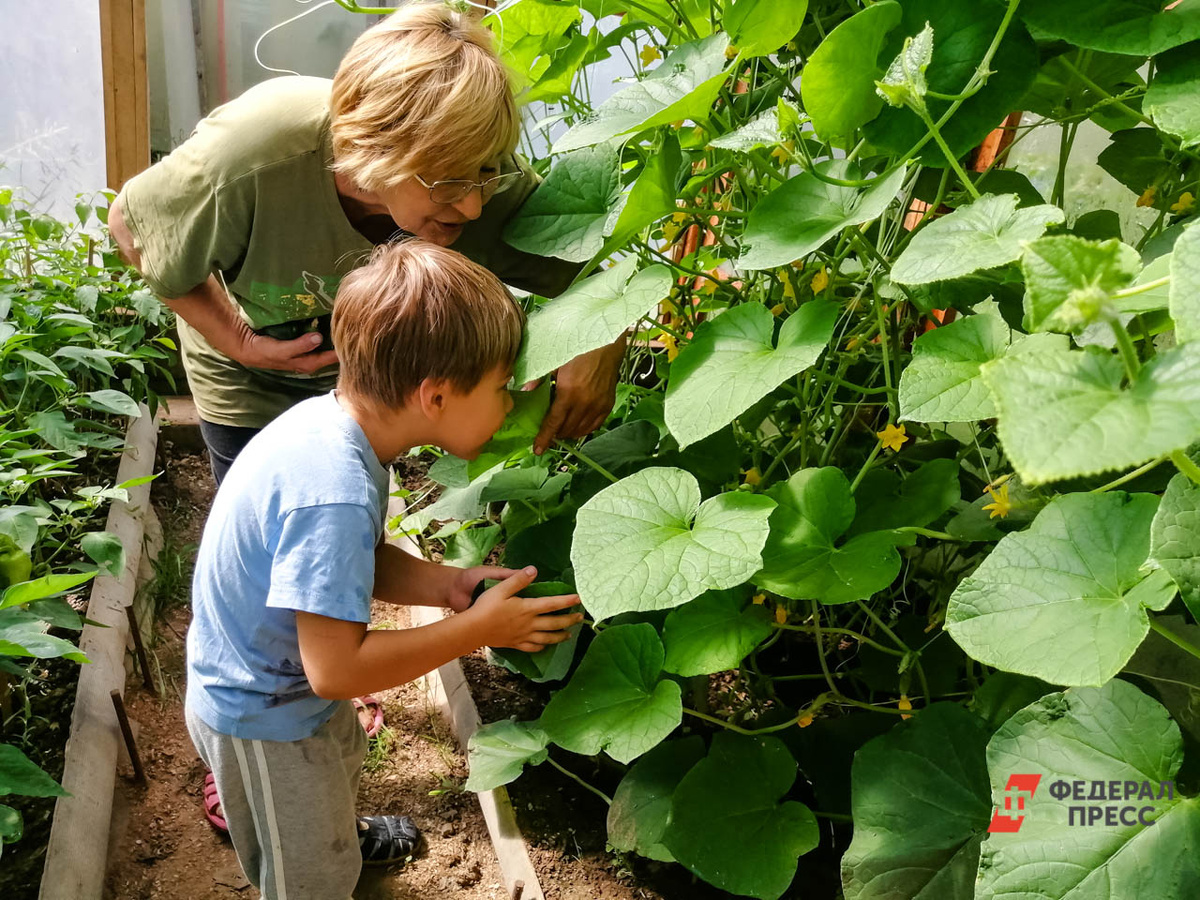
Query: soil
164,848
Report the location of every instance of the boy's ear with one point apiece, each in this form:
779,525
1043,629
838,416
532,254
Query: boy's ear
431,397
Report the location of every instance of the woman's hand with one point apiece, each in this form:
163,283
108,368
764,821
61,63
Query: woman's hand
585,391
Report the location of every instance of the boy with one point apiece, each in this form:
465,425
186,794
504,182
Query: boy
292,554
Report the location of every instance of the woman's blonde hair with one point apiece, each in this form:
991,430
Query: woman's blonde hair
418,311
423,92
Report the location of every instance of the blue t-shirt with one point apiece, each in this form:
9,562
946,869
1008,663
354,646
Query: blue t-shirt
293,527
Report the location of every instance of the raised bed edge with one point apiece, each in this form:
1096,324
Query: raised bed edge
447,689
77,853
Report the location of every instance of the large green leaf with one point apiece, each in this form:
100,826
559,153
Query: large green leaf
942,383
883,500
1069,281
713,633
591,314
647,542
728,824
641,805
40,588
616,701
1185,284
733,361
760,27
962,34
921,809
1134,27
802,557
106,550
1065,600
20,775
1173,98
684,86
838,83
530,30
111,401
499,752
23,633
653,195
1112,735
1137,158
803,213
1175,538
567,214
1066,414
985,234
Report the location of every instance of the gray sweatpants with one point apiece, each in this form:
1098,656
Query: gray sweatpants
290,805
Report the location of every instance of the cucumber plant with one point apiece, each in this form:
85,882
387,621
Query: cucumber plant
901,496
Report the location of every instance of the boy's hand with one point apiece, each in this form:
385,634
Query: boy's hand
522,623
466,580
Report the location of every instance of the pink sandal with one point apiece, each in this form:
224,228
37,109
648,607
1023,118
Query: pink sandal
370,702
212,804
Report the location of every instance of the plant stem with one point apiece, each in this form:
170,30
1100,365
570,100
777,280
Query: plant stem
1174,638
599,793
858,636
588,461
738,728
950,157
1184,464
925,532
899,643
1128,351
1129,476
866,466
1142,288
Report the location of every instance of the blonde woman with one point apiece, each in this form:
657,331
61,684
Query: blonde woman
247,229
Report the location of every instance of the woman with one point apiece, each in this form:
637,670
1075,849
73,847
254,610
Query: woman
247,228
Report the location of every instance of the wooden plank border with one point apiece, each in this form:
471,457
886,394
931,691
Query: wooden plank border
447,689
126,92
77,855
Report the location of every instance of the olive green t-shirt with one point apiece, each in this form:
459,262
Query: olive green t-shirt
250,198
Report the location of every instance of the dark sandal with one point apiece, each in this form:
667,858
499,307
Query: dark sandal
387,839
212,804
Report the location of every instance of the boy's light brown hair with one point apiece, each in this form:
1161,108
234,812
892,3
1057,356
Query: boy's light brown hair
421,93
418,311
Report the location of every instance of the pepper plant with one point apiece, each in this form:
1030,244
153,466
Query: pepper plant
82,342
900,497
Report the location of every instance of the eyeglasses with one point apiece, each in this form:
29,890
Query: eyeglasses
452,191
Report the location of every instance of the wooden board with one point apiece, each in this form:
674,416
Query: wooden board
126,101
77,854
447,689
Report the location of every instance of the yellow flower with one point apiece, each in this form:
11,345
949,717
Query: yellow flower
673,226
853,343
778,309
893,437
753,476
781,615
1148,195
731,51
790,45
672,345
759,599
649,54
1000,506
820,281
905,703
1185,204
805,720
783,153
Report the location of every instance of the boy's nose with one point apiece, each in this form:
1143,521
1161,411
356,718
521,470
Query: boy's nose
471,205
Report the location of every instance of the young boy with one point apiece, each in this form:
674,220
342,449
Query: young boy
292,555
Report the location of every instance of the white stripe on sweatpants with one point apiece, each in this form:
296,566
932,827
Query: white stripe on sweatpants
266,832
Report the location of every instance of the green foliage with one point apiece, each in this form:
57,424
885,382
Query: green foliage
864,456
82,344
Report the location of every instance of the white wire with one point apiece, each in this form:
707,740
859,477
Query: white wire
500,8
273,28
